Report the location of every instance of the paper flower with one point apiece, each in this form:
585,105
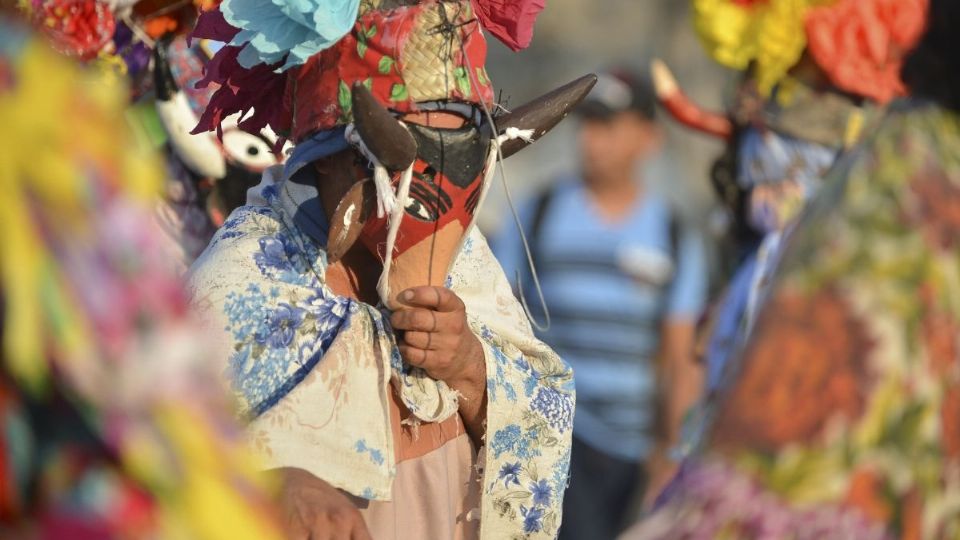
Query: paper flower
511,21
287,30
238,89
79,28
768,32
860,44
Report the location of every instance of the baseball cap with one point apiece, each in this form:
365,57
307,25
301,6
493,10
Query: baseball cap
618,91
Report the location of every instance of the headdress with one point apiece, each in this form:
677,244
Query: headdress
335,74
858,44
813,71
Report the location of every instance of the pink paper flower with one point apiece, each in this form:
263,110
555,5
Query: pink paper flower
511,21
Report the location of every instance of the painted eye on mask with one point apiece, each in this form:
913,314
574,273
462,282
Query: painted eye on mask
428,201
248,150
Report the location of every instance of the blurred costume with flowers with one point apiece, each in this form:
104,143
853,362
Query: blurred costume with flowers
108,425
816,74
397,138
145,43
841,419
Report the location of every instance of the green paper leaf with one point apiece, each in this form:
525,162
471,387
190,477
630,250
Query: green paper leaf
368,83
361,48
482,76
370,32
463,81
345,98
399,92
386,64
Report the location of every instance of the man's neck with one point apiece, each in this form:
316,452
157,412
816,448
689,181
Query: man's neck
614,199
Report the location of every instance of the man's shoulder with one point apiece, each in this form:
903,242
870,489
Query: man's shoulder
240,237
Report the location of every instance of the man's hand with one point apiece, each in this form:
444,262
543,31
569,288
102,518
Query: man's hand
436,335
315,510
437,338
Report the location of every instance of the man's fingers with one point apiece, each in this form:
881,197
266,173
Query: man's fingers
432,361
321,529
360,531
429,341
342,522
416,319
414,356
297,530
438,298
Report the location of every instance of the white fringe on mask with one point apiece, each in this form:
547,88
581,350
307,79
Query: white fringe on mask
386,198
399,209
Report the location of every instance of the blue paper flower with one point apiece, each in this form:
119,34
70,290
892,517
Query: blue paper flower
295,30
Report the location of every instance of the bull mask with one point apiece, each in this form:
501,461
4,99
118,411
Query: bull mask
440,177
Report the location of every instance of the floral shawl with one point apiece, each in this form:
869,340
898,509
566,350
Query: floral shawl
841,416
312,369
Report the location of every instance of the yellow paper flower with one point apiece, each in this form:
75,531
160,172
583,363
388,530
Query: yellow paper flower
770,33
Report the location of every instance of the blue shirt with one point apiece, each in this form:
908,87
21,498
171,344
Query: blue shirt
609,287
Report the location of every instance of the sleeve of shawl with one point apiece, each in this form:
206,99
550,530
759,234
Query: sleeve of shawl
530,403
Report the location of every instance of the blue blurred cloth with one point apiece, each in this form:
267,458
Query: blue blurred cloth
606,322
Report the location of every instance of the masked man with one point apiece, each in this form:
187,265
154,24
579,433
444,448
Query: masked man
371,338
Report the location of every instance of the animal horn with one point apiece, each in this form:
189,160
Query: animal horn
682,108
543,113
384,135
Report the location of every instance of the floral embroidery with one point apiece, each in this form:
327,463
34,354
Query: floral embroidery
375,455
532,518
510,473
541,492
556,407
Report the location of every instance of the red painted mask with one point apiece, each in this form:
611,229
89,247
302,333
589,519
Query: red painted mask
444,192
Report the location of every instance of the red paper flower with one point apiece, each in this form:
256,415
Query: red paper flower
511,21
861,44
79,28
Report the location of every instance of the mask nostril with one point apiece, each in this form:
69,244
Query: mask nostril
253,151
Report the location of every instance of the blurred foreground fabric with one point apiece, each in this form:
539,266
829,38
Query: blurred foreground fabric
111,425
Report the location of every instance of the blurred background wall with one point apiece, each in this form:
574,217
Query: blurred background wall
574,37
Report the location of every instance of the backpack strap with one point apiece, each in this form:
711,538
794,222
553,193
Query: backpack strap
535,232
674,232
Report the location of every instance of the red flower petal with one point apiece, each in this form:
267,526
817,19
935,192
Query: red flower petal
511,21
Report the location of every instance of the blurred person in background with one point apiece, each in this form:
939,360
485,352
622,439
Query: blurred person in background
797,109
624,282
